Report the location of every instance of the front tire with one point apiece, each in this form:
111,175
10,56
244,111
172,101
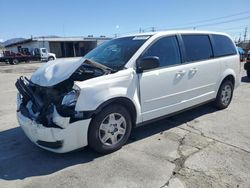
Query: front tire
110,129
51,58
224,95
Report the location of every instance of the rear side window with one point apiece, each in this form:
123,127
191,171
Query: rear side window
197,47
223,46
167,49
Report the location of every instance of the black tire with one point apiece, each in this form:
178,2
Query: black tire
248,73
94,133
11,62
15,61
247,66
224,95
51,58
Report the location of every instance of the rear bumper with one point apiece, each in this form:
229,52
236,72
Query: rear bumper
67,137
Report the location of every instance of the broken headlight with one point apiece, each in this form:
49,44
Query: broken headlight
70,98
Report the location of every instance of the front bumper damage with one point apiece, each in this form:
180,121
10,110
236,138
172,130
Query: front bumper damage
63,136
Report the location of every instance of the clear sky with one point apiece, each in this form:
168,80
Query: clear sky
23,18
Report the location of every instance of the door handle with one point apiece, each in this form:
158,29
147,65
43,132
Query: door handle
193,70
180,73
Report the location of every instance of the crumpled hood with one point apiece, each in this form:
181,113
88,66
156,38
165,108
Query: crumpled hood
54,72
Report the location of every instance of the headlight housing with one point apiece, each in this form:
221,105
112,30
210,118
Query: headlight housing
70,98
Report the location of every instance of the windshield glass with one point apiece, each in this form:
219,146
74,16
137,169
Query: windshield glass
116,53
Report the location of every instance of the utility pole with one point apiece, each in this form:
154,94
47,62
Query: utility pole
140,30
153,29
245,34
43,40
239,38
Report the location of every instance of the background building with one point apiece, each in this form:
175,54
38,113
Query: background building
61,46
1,50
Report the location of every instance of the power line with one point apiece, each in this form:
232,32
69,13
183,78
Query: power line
209,24
219,18
191,24
207,20
223,22
234,28
205,25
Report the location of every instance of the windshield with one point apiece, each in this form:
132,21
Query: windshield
116,53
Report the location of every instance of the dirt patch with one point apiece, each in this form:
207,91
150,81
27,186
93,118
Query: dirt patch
22,68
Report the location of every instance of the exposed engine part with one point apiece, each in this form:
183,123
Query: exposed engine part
43,100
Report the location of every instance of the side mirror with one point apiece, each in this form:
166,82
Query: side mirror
147,63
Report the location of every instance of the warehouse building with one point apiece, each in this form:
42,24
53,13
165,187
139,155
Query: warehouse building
61,46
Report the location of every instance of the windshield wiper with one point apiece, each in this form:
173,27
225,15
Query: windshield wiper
98,65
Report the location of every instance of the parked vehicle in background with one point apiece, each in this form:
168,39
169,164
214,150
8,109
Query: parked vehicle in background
247,64
241,53
24,55
126,82
43,54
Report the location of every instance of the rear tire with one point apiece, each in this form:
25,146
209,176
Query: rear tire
11,62
224,95
15,61
110,129
248,73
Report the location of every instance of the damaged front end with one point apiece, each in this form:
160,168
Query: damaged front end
48,118
45,104
47,114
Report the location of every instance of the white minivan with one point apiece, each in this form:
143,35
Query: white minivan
96,100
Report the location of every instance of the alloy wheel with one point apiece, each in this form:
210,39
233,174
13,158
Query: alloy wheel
226,94
112,129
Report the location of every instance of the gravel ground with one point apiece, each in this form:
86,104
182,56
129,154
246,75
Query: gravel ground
202,147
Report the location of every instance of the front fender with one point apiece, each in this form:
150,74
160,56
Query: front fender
97,91
90,99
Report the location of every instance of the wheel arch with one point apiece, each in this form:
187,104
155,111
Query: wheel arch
219,104
229,77
51,57
126,102
228,74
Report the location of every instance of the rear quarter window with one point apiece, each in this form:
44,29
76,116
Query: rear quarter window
223,46
197,47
